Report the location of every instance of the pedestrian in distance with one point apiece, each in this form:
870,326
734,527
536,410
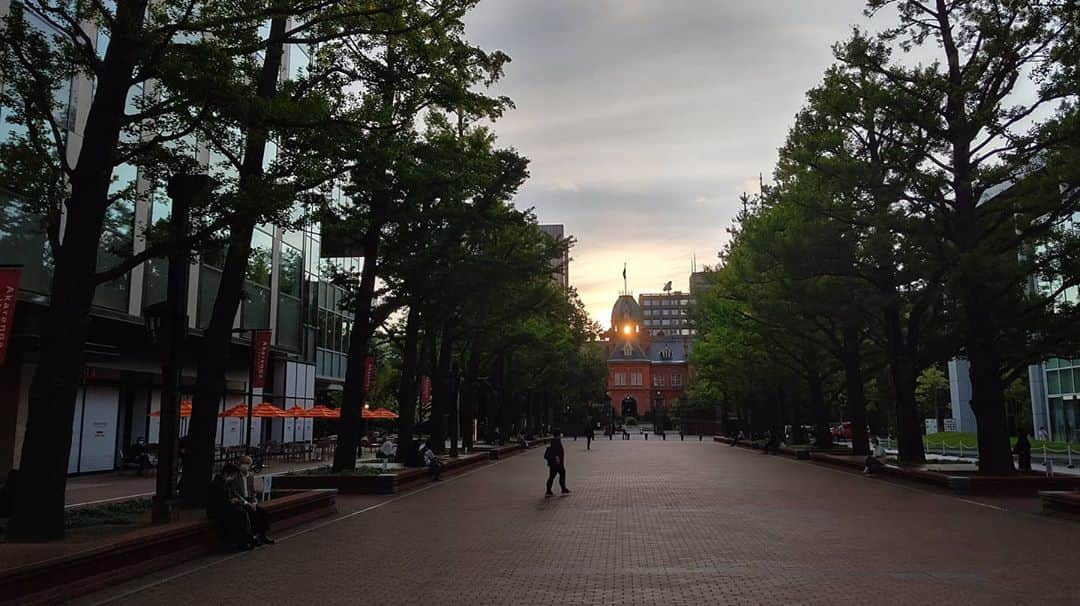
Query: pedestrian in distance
556,461
1022,450
589,435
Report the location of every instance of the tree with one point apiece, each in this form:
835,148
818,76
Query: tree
407,72
979,121
931,392
78,191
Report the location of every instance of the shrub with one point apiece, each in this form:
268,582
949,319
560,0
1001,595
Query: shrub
630,422
112,514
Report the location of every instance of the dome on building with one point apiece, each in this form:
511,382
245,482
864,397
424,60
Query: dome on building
626,316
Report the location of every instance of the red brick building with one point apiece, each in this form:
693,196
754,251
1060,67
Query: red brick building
647,370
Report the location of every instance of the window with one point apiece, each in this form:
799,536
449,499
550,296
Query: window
627,350
620,378
676,380
665,354
658,381
636,378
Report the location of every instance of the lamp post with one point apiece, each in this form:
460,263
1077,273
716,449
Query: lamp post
166,326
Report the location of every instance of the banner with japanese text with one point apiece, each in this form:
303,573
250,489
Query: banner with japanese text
369,373
260,344
9,295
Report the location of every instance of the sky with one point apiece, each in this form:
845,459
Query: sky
646,119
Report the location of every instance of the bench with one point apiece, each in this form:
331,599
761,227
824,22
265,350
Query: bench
1060,502
141,552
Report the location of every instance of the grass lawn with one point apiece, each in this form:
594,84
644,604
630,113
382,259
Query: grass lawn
953,439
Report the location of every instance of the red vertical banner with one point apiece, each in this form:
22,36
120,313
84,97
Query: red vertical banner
369,373
260,356
9,295
425,389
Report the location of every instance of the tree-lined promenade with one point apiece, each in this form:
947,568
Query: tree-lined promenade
923,208
383,139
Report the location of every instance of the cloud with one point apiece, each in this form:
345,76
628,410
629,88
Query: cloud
645,120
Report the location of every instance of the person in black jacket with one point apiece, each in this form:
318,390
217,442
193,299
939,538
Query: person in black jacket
589,435
225,506
556,460
1023,451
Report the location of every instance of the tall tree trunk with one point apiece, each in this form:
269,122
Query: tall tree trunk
987,392
902,374
39,504
353,393
212,364
470,398
442,402
815,383
824,436
980,330
407,388
856,393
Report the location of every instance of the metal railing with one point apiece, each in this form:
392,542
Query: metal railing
944,445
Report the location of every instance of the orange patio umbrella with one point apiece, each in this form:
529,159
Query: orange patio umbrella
268,410
297,412
240,410
185,410
383,413
323,412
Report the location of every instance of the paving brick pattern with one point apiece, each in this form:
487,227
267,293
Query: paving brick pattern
655,522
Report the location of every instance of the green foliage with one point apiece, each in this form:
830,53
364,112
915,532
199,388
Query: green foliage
931,391
630,422
125,513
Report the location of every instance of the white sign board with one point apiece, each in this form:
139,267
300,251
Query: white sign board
931,426
950,425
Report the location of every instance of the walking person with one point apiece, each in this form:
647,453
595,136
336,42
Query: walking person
1022,450
589,435
556,460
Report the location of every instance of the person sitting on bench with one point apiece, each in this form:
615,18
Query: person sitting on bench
874,462
139,455
226,507
244,485
430,459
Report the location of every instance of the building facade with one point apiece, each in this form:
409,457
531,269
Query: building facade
667,314
648,361
560,270
287,291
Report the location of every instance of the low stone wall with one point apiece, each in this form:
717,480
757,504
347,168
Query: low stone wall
1061,502
141,552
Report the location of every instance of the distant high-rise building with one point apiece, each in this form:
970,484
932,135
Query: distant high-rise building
667,314
699,280
561,267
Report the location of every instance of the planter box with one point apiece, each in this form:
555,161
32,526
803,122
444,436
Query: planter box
141,552
1061,502
1017,486
385,483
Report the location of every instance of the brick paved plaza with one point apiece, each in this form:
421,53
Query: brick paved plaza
689,523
